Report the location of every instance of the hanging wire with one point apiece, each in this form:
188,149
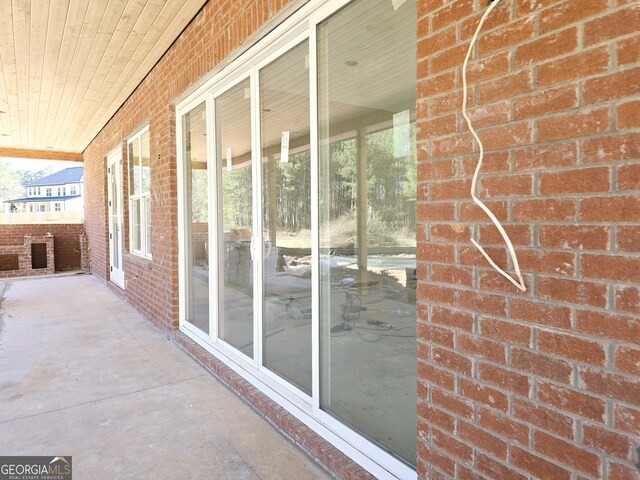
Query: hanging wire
512,253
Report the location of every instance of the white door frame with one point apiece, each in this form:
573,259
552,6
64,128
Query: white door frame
116,237
299,26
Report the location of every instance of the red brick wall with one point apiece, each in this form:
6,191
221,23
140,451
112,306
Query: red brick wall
95,206
220,27
66,241
543,383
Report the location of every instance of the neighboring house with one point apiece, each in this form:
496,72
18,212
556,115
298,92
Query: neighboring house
59,192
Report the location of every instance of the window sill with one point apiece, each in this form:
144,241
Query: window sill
140,257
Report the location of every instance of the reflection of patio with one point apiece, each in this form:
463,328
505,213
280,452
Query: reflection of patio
373,359
373,330
83,373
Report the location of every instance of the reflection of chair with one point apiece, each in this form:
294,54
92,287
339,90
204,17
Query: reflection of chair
237,263
200,239
271,263
238,266
206,252
412,284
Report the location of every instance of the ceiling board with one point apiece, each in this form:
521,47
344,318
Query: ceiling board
66,66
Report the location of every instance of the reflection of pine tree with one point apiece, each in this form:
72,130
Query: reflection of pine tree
294,189
237,198
391,184
199,196
292,192
343,178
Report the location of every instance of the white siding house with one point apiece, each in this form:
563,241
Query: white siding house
59,192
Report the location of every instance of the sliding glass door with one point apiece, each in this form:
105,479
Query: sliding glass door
235,217
308,162
286,225
196,217
367,178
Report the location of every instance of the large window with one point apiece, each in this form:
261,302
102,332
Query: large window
304,150
196,216
367,178
286,226
235,230
140,193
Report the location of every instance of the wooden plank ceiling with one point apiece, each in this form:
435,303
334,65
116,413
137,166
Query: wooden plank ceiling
66,66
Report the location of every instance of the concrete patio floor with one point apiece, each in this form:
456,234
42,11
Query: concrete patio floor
83,374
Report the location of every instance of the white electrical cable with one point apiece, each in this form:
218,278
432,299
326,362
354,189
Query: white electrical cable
520,282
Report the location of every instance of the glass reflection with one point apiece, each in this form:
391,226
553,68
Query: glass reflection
366,68
134,167
286,173
233,114
196,217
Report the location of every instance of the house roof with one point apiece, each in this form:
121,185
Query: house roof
42,199
68,175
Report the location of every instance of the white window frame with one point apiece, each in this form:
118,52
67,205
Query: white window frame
57,207
299,26
72,190
145,212
48,191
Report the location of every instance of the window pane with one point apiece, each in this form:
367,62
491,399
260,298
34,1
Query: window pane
114,221
134,167
286,171
196,185
147,218
135,227
145,161
233,115
366,67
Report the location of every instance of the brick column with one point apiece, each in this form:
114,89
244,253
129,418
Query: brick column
26,257
51,259
543,383
84,253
